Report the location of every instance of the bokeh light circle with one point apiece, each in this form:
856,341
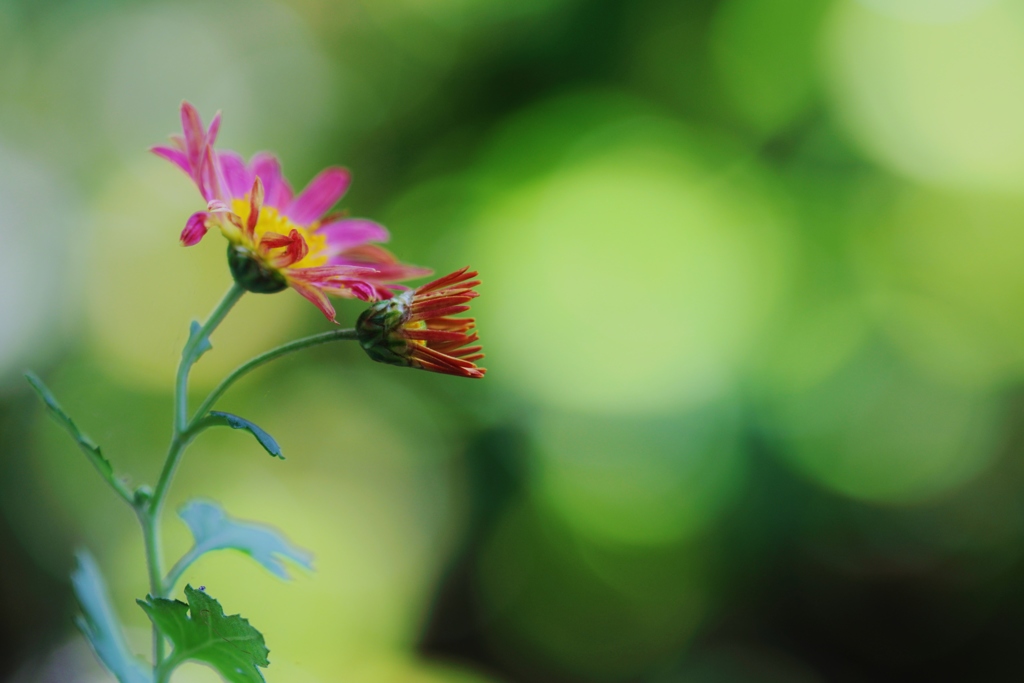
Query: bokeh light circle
631,277
876,431
939,11
556,603
639,482
766,55
942,272
36,218
938,102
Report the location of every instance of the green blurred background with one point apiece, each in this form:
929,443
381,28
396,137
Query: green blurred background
751,304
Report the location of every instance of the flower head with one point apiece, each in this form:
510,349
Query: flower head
416,328
279,240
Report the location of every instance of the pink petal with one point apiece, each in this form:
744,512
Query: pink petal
323,275
318,298
320,195
176,157
195,136
195,228
236,176
385,272
384,262
277,192
294,252
255,204
211,133
210,178
356,289
350,232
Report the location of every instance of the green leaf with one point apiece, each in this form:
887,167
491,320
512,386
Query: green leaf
100,626
88,446
200,632
203,346
228,420
214,529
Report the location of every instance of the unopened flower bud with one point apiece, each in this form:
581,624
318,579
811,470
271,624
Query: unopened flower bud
415,328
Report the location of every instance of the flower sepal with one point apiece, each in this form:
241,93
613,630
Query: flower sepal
375,328
252,274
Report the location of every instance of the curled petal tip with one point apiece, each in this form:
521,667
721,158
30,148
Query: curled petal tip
195,229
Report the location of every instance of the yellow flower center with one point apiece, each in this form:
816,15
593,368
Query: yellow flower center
271,220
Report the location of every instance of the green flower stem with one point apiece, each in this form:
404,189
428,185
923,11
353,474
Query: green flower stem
148,508
162,673
200,421
182,432
190,353
263,358
180,566
150,537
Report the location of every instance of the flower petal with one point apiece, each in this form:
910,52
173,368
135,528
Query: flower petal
211,132
384,272
195,228
351,232
354,289
295,249
255,204
315,295
175,156
210,180
383,261
236,176
217,206
324,275
320,195
195,136
278,193
448,280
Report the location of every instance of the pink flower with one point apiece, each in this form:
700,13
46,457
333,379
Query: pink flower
279,240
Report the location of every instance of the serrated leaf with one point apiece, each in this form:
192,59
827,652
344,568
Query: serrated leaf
87,445
204,345
235,422
199,631
214,529
100,626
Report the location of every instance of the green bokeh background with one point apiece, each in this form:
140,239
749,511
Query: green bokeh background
751,302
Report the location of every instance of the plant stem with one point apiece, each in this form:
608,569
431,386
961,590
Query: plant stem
185,430
174,575
149,510
151,541
162,673
189,356
263,358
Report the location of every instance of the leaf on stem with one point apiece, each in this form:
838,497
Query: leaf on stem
204,346
214,529
88,446
228,420
100,626
201,632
